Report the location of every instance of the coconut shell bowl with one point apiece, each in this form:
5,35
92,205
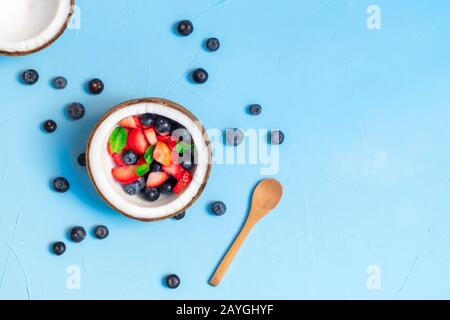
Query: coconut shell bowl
100,163
28,26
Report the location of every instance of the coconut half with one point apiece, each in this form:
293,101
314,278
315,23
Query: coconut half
27,26
100,164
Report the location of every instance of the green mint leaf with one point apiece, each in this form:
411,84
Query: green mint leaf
148,156
181,147
142,169
118,139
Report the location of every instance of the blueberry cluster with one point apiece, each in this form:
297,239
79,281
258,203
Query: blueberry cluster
185,28
78,234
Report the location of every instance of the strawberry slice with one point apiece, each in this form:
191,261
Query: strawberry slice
129,122
175,170
183,182
155,179
163,154
167,140
117,157
125,175
137,141
150,134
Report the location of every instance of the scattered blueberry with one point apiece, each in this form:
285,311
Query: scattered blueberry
60,83
30,77
200,75
132,188
172,281
166,187
76,111
147,119
96,86
218,208
163,125
101,232
82,159
185,27
180,215
155,166
213,44
59,248
276,137
255,109
50,126
61,185
234,137
129,157
151,194
77,234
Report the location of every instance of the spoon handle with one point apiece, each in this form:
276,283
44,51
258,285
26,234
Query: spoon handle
228,258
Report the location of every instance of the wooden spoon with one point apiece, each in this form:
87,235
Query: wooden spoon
265,197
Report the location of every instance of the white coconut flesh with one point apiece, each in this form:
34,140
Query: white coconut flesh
101,164
28,25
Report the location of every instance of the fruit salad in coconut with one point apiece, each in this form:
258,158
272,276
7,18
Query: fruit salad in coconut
153,156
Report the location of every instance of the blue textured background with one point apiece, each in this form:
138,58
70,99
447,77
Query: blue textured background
365,166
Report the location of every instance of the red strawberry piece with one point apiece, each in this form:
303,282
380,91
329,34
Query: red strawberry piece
163,154
155,179
129,122
150,134
125,175
175,170
117,157
137,141
183,182
167,140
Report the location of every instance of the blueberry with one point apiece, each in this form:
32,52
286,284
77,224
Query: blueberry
185,27
155,166
234,137
163,125
76,111
141,183
172,281
132,188
77,234
181,134
200,75
61,185
30,77
82,159
60,82
166,187
255,109
188,161
213,44
59,248
218,208
151,194
180,215
50,126
276,137
147,119
129,157
101,232
96,86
